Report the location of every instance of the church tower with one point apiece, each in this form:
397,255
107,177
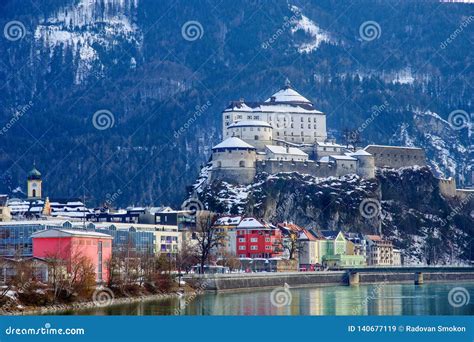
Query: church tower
34,184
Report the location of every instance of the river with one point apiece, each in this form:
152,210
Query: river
372,299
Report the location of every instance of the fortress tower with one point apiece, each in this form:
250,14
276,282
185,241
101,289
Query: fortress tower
253,132
233,161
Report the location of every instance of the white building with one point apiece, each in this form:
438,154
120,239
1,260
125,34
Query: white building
328,148
285,153
291,115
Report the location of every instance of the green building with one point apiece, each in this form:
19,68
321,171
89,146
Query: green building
333,251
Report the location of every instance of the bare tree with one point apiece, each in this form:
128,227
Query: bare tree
187,257
292,244
207,236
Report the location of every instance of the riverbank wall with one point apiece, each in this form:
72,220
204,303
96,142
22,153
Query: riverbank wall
232,282
79,306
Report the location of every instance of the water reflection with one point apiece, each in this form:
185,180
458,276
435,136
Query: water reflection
375,299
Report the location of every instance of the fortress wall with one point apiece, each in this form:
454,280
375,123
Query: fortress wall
465,195
233,175
310,167
397,157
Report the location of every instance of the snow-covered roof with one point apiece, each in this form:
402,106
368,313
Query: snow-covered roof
387,146
68,233
288,94
360,153
283,150
228,221
343,157
250,123
324,159
328,144
250,222
55,222
233,143
272,107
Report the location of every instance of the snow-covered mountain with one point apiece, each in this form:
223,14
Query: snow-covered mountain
153,65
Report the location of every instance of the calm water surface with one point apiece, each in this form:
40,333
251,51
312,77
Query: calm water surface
375,299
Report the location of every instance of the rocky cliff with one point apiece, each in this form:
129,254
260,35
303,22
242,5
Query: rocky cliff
405,205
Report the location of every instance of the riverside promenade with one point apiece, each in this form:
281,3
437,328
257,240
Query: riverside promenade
349,276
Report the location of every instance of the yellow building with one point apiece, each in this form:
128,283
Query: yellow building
5,214
168,239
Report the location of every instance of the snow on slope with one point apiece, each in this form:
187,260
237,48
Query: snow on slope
85,26
445,149
316,34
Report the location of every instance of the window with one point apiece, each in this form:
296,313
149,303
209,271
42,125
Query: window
254,248
241,239
253,240
256,137
268,247
241,248
242,163
267,239
99,261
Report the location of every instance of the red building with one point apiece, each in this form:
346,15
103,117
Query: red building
73,245
257,239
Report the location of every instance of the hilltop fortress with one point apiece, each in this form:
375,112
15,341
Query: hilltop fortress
286,133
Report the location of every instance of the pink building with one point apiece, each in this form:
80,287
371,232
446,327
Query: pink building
72,245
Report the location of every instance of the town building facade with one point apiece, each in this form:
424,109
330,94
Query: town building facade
74,246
